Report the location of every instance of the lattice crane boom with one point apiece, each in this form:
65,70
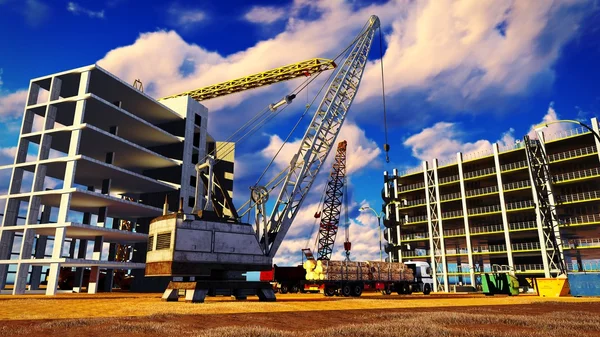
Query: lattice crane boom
332,205
285,73
318,140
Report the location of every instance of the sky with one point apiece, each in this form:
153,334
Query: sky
458,75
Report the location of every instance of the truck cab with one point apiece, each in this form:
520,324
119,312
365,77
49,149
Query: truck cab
423,281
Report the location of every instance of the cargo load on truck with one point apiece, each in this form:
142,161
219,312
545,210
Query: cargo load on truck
356,271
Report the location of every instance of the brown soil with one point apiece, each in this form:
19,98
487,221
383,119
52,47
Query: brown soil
301,322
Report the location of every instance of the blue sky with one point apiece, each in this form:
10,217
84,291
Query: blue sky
459,75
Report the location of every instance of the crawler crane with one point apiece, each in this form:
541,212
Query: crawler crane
211,252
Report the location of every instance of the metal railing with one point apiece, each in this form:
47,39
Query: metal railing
522,225
526,246
579,196
454,232
479,173
414,236
489,249
450,196
566,133
408,203
510,147
447,161
576,243
577,175
418,218
410,187
581,219
512,166
449,179
585,266
572,153
486,229
457,251
485,209
452,214
517,184
478,154
416,254
483,190
520,204
528,267
411,171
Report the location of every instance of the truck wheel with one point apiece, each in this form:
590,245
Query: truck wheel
357,290
426,289
294,290
387,291
403,289
346,290
329,291
408,289
284,289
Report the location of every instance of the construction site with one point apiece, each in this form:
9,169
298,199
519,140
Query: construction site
120,205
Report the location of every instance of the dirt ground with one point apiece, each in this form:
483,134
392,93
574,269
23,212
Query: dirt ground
293,315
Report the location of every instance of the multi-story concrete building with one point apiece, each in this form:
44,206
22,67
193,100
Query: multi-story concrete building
474,211
94,152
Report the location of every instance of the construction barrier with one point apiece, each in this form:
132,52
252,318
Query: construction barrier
584,284
552,287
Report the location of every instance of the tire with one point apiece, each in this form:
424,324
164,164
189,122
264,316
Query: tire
329,291
294,290
357,290
283,289
426,289
346,290
387,291
408,289
403,289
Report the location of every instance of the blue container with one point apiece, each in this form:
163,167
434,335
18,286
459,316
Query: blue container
584,284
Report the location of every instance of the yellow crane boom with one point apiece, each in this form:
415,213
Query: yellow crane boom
304,68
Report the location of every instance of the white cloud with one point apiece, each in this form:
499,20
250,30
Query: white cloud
552,129
265,14
456,50
1,83
186,18
11,106
78,9
442,141
449,50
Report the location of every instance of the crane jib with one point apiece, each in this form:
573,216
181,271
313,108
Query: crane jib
319,138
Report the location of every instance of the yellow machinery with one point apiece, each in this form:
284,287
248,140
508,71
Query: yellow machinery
304,68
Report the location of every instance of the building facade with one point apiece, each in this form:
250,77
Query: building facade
480,212
94,153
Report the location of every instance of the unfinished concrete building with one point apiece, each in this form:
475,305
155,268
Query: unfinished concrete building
468,213
95,160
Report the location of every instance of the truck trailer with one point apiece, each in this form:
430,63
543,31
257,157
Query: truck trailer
351,278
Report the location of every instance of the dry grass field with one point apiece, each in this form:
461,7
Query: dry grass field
299,315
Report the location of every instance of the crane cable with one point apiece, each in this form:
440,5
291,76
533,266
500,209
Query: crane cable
386,146
308,106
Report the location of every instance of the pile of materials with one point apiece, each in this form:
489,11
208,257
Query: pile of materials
356,271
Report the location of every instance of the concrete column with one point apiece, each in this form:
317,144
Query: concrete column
81,254
463,195
36,271
95,271
23,268
102,215
59,240
505,224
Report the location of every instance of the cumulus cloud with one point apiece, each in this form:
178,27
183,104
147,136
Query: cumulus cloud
443,141
11,105
78,9
552,129
265,14
458,51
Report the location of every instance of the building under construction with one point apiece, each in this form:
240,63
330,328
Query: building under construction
480,211
96,160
